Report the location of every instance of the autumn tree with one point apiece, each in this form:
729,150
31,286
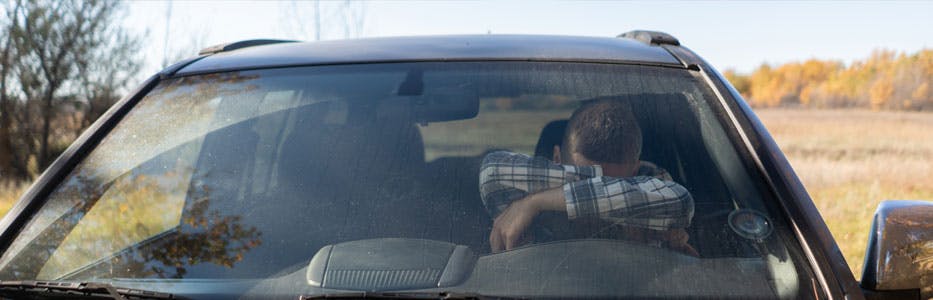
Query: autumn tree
741,83
885,80
7,54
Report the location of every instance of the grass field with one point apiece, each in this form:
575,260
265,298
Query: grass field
849,161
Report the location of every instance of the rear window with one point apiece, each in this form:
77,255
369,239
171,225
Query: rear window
380,177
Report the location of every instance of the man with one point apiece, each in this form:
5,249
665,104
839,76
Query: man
596,174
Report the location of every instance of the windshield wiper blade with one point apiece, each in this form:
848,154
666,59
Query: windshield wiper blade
86,290
401,295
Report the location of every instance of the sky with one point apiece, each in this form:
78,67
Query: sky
730,35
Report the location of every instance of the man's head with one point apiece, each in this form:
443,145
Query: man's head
603,132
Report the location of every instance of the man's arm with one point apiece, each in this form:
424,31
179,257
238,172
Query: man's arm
641,201
506,177
653,202
508,229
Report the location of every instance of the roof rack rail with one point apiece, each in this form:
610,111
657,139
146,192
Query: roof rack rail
239,45
651,37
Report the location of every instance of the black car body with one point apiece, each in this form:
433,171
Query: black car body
789,203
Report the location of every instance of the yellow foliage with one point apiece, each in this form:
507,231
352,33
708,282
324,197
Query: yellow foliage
922,92
741,83
885,80
806,95
9,194
881,91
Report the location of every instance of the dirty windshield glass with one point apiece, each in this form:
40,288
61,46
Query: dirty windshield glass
497,178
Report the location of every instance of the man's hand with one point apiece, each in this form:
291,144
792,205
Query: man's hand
509,227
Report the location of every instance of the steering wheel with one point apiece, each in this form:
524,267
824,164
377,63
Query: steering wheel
555,226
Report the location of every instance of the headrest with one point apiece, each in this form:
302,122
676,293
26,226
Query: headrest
551,135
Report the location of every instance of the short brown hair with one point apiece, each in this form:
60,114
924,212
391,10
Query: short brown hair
604,130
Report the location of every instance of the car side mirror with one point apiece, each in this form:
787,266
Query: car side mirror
899,258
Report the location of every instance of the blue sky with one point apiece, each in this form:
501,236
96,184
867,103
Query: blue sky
737,35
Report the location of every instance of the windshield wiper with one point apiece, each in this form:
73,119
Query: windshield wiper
401,295
74,290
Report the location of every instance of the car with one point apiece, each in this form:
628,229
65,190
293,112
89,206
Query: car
348,169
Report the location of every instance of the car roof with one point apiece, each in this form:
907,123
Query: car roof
436,48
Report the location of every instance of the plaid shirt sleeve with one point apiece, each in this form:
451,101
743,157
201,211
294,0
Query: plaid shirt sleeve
640,201
649,200
506,176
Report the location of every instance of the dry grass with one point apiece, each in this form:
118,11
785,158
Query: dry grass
850,161
9,193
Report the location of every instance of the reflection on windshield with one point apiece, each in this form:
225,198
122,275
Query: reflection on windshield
205,235
134,208
140,227
184,116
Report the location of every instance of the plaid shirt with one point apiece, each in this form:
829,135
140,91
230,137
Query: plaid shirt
648,200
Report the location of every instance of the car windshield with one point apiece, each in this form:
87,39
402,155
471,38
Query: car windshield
391,177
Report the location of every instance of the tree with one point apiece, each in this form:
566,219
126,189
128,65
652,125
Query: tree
61,60
886,80
8,165
881,92
741,83
332,19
